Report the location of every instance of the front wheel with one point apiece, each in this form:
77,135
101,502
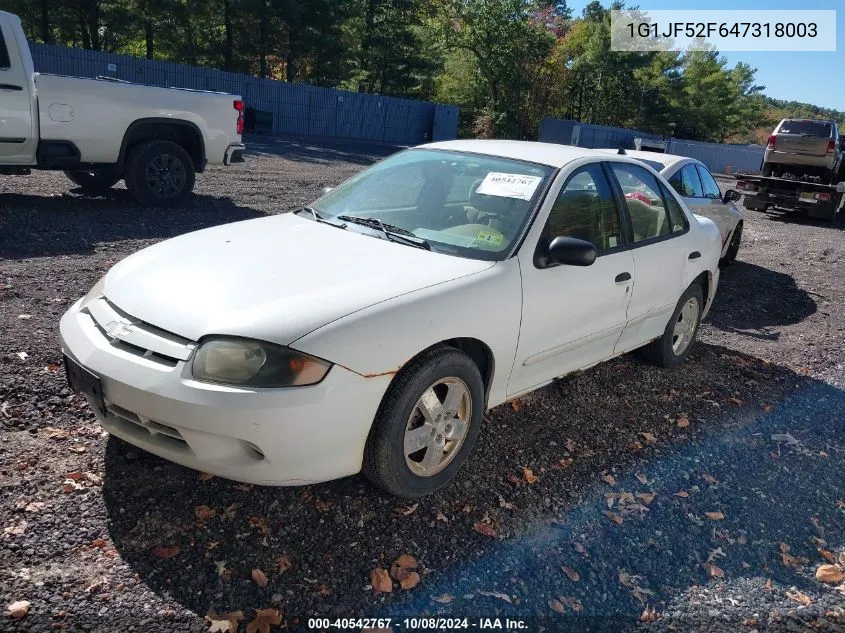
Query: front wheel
427,424
159,174
94,180
674,346
733,248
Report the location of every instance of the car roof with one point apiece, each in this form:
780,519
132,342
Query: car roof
551,154
669,161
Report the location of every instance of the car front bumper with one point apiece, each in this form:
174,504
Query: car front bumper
289,436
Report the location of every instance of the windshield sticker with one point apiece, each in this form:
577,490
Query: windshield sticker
509,185
489,238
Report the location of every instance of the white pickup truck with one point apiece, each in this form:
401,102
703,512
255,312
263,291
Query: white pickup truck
99,131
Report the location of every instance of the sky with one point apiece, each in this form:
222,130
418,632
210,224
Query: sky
810,77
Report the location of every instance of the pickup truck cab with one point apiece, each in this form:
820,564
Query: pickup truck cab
99,131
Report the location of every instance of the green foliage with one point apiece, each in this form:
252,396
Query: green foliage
506,63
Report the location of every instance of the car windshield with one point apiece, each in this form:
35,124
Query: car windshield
811,128
469,205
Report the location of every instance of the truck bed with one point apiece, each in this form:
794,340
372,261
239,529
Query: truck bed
818,200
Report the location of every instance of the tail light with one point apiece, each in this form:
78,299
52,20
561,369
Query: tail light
772,141
831,145
239,106
825,197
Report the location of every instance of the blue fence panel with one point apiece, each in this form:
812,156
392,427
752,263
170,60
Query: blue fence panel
720,158
297,109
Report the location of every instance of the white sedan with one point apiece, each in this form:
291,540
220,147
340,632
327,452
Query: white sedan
371,330
696,185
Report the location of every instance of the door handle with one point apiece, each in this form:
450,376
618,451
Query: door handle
623,277
694,255
10,87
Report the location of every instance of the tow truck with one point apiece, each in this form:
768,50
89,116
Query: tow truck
791,191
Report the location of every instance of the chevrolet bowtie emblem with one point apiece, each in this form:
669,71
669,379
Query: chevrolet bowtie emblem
117,329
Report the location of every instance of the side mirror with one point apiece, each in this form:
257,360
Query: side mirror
569,251
731,195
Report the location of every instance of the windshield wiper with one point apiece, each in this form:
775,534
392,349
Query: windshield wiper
391,232
317,217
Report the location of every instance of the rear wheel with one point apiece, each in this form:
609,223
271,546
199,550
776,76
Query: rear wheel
733,248
94,180
159,173
768,170
427,424
675,345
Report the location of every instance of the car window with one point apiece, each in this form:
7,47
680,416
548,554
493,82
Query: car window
643,200
585,209
468,205
711,189
676,214
821,129
687,183
5,63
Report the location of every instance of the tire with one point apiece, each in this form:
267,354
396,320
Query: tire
159,174
661,352
767,170
436,373
733,248
95,180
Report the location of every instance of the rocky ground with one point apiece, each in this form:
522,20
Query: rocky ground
704,498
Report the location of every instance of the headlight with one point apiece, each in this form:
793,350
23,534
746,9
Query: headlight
95,292
248,363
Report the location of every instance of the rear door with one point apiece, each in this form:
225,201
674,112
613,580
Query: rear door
702,195
17,138
808,138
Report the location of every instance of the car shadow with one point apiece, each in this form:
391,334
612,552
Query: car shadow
776,300
792,216
698,438
319,151
39,226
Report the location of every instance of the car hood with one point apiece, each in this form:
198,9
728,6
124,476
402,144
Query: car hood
274,279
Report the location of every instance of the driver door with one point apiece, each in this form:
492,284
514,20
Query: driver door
572,316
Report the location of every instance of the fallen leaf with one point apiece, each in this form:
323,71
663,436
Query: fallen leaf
264,619
260,578
380,580
52,433
613,517
682,493
204,476
784,547
283,564
710,479
514,480
682,423
406,510
410,581
507,505
223,623
99,543
735,401
496,594
18,609
516,405
321,506
742,539
649,437
573,575
403,566
830,574
75,475
714,571
160,551
243,487
609,479
528,475
828,556
17,529
581,549
645,497
648,615
77,448
642,478
446,598
204,513
485,528
714,516
625,578
768,408
556,606
35,506
572,603
803,598
441,517
565,463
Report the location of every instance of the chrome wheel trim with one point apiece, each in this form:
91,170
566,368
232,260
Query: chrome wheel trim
437,426
685,326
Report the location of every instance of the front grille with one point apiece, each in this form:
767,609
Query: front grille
137,337
145,429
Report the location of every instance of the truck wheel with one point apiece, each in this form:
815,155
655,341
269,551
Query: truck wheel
767,170
95,180
159,174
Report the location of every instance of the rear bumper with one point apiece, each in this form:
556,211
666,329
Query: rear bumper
805,160
234,154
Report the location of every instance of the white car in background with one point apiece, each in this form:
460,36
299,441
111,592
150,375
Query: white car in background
372,329
696,185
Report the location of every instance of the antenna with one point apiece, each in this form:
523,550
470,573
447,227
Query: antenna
621,150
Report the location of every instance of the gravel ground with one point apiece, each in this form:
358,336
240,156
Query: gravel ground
702,498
